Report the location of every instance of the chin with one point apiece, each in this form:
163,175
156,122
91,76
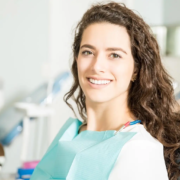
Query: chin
98,99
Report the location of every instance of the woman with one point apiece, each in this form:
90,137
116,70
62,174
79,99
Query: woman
126,101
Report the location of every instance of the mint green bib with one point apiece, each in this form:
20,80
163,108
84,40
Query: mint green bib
89,155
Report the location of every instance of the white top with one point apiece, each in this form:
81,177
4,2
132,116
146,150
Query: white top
141,158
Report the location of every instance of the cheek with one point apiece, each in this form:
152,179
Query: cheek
123,73
82,69
82,66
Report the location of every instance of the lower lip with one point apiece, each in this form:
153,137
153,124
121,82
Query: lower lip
98,86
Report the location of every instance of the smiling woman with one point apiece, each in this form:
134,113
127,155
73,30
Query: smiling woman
126,100
109,58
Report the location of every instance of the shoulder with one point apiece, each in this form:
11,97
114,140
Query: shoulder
143,156
143,145
142,136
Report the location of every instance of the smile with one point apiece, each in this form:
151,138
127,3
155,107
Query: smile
98,83
94,81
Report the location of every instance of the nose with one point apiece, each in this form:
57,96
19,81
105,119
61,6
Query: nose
99,62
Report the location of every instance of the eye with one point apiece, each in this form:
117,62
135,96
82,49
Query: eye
86,52
116,55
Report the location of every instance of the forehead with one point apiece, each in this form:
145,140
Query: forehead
102,35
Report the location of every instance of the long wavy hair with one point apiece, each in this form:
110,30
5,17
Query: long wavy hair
151,96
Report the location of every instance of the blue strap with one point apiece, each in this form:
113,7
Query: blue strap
135,122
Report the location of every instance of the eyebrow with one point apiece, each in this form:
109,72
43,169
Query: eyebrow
107,49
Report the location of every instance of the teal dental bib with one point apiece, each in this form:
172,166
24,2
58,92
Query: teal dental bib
89,155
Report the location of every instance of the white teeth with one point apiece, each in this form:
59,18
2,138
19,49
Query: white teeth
99,81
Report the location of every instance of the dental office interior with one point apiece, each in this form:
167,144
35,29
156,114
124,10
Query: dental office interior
35,59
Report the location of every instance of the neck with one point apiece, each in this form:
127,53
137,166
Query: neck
111,115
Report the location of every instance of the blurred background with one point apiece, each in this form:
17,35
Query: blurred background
35,58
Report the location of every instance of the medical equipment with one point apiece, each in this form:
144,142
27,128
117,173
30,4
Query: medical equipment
11,119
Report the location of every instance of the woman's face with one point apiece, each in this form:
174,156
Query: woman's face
105,54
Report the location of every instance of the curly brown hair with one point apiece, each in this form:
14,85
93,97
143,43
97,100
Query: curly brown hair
151,97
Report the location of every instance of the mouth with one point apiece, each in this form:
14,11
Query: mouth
99,79
98,85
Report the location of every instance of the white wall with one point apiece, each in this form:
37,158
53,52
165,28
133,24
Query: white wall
151,11
157,12
171,12
23,45
23,50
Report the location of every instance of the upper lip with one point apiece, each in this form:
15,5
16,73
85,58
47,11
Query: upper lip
99,78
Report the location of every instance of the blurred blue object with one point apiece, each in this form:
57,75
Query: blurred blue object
11,119
14,132
24,174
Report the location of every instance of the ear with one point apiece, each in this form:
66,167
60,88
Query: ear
135,72
134,75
